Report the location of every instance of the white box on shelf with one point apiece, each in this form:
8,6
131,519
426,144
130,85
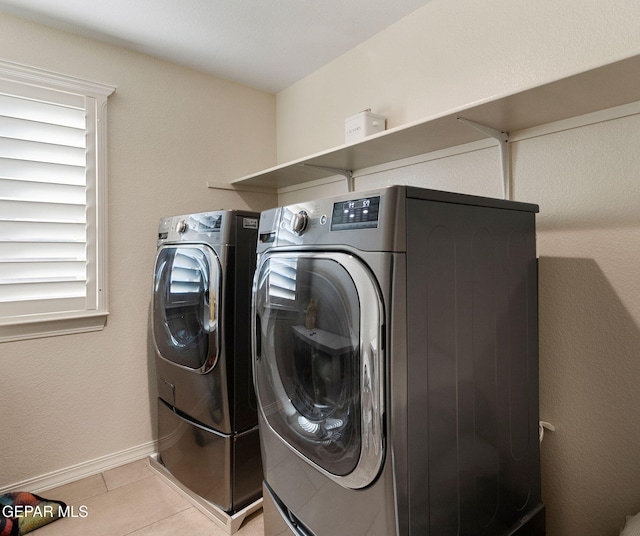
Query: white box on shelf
362,125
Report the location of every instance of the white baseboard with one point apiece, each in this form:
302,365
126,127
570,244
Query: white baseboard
82,470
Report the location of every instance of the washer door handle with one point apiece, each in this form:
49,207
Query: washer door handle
258,338
370,404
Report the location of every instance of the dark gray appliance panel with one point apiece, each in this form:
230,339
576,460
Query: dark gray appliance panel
237,331
472,369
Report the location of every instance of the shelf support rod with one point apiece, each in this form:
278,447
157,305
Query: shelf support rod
505,152
346,173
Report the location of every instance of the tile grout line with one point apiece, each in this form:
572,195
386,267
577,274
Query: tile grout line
159,520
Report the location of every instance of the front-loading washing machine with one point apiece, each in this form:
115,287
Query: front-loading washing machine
201,310
396,365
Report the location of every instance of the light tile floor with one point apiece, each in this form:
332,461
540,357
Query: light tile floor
133,500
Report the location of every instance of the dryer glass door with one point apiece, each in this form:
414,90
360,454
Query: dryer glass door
185,305
318,320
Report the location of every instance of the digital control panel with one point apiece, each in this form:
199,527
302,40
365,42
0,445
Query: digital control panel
356,214
205,223
179,227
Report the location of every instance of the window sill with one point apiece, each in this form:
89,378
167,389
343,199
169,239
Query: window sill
17,330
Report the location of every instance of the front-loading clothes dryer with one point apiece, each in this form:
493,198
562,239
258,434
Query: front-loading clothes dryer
207,420
396,365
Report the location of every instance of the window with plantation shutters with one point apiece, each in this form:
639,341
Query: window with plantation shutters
52,189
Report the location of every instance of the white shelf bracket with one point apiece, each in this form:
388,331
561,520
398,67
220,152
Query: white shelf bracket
505,152
346,173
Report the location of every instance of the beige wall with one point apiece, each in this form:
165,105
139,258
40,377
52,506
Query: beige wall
450,54
85,399
585,179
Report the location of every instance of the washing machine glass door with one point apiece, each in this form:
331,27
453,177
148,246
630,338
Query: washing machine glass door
185,305
318,320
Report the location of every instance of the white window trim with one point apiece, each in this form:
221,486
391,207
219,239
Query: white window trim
93,319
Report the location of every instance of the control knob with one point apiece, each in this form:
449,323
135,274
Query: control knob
299,222
182,227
